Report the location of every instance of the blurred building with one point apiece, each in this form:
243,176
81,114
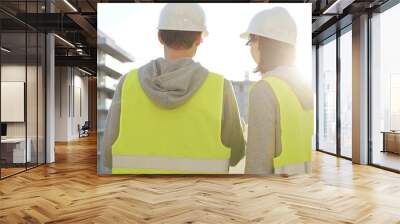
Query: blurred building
242,90
109,56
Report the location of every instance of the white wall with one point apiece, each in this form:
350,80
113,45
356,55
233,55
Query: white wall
81,84
14,73
62,81
70,83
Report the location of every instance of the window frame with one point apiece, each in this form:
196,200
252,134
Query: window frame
334,37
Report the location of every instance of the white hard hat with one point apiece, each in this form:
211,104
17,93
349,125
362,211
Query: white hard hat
275,23
184,17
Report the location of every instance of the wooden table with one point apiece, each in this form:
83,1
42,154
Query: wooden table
391,141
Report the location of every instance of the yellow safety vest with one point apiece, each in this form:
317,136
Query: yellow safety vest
156,140
296,124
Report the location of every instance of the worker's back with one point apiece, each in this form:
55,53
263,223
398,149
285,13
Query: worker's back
296,125
172,115
170,122
269,124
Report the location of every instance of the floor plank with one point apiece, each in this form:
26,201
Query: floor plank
70,191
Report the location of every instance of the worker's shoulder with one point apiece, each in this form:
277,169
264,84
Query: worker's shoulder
214,74
221,77
132,73
227,84
262,88
123,78
261,85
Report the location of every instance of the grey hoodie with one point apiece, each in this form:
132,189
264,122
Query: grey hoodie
169,84
264,129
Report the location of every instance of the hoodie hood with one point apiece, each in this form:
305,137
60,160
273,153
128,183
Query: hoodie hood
170,83
292,76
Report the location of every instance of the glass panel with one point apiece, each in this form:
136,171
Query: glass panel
386,89
41,98
394,102
13,87
346,94
327,97
9,24
32,89
23,89
314,78
31,99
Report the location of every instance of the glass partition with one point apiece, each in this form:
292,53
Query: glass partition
346,94
31,98
385,89
13,94
41,109
327,96
22,77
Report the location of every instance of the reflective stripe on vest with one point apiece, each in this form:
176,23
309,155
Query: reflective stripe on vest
157,140
171,164
296,124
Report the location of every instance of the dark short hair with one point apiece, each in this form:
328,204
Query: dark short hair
178,39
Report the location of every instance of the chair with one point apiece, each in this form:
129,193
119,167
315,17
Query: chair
84,130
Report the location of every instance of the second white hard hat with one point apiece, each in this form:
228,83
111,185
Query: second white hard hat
275,23
184,17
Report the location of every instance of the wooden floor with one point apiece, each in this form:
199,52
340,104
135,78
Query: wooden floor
5,172
387,159
70,191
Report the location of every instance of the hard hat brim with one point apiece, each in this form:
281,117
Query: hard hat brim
245,35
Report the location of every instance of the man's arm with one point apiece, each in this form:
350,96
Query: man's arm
261,139
111,129
231,131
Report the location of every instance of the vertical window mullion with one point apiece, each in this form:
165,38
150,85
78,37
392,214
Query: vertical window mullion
338,81
0,95
369,90
37,90
317,96
26,86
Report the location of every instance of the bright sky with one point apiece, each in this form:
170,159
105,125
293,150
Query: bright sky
133,27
